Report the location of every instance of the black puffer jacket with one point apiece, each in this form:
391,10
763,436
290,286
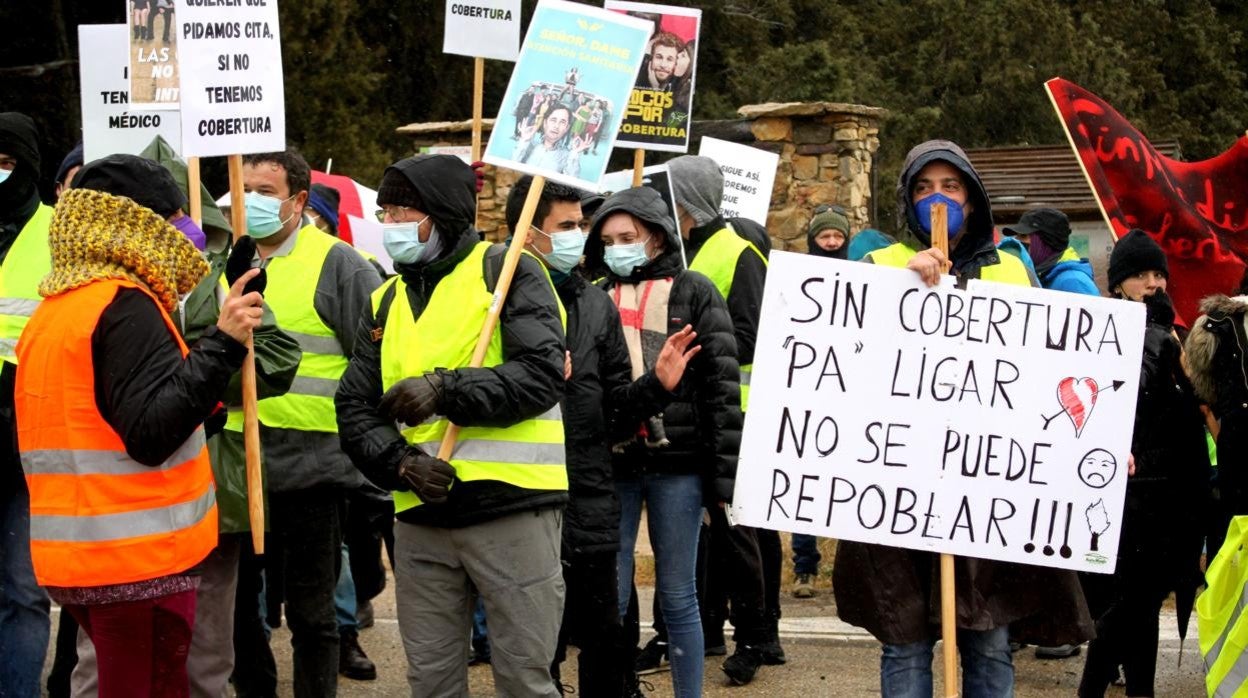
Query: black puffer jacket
528,382
1217,361
703,423
601,406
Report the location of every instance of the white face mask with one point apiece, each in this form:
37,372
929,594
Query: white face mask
402,241
566,249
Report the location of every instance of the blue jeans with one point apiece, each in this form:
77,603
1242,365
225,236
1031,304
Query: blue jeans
24,605
674,506
806,555
344,597
987,667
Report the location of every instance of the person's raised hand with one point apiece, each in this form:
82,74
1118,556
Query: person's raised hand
931,264
675,356
478,169
241,311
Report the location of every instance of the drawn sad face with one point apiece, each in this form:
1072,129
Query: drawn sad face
1098,467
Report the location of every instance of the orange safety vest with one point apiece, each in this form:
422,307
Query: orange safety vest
97,516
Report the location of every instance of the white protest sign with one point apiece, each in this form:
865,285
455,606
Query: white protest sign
993,422
230,57
108,124
749,174
483,28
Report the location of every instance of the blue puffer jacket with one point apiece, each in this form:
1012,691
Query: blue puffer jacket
1071,274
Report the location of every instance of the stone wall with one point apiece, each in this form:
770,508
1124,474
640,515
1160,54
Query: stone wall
826,153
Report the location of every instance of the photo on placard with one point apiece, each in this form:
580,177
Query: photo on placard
660,106
561,113
154,76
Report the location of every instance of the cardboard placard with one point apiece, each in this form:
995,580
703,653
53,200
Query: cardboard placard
233,99
463,152
108,123
483,28
153,50
993,422
749,174
576,61
660,108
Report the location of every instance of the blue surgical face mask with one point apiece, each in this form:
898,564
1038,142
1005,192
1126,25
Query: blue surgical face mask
566,249
623,259
954,213
4,174
402,241
264,214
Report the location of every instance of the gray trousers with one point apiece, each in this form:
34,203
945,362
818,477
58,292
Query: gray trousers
211,659
514,563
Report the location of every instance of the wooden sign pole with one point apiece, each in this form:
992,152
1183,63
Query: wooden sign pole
251,419
948,596
519,238
192,191
478,98
639,164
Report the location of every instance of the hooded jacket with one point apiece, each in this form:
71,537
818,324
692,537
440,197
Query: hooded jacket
528,383
974,249
1217,361
1069,273
703,422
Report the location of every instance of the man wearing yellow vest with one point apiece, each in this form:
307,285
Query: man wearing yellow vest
491,516
743,563
24,219
889,591
110,408
318,289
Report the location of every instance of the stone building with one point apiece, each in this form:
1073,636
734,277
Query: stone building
826,151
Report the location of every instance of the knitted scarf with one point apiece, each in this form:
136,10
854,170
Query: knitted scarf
95,236
643,313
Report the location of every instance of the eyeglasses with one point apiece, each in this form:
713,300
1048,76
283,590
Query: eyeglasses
392,211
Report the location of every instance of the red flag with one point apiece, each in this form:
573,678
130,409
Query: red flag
1196,211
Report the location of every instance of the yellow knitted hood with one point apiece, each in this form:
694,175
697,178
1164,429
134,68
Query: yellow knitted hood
96,236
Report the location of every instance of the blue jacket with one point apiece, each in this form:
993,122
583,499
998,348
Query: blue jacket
1071,273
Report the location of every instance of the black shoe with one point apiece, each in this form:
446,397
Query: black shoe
1057,651
633,686
650,658
364,616
772,653
480,653
352,662
713,643
742,665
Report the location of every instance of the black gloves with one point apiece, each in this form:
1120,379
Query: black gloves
1159,309
413,400
430,478
239,263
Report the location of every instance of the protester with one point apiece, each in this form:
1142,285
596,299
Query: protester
602,405
828,233
322,210
889,591
24,260
69,167
1045,232
318,287
491,515
120,262
1160,545
743,562
633,237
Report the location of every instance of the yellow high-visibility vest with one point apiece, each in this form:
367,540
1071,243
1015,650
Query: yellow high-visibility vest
717,260
1010,270
28,261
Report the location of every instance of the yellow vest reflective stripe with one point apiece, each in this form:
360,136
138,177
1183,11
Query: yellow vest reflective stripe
291,295
24,267
528,454
1010,270
717,261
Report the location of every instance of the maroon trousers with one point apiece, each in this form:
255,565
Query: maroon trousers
141,646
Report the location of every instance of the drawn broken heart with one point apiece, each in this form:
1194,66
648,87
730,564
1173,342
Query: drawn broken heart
1077,397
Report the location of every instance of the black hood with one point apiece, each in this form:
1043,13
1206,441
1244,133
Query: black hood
19,137
448,189
648,206
977,239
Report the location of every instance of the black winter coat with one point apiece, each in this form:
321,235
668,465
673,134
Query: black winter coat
703,422
1217,360
528,382
601,406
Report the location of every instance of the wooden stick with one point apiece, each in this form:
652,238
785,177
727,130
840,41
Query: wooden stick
1048,89
639,164
520,236
948,596
192,191
251,419
478,96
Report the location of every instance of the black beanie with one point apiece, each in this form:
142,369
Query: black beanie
397,190
141,180
1135,252
19,138
72,159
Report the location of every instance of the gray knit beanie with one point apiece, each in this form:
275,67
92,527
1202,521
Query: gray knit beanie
698,186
